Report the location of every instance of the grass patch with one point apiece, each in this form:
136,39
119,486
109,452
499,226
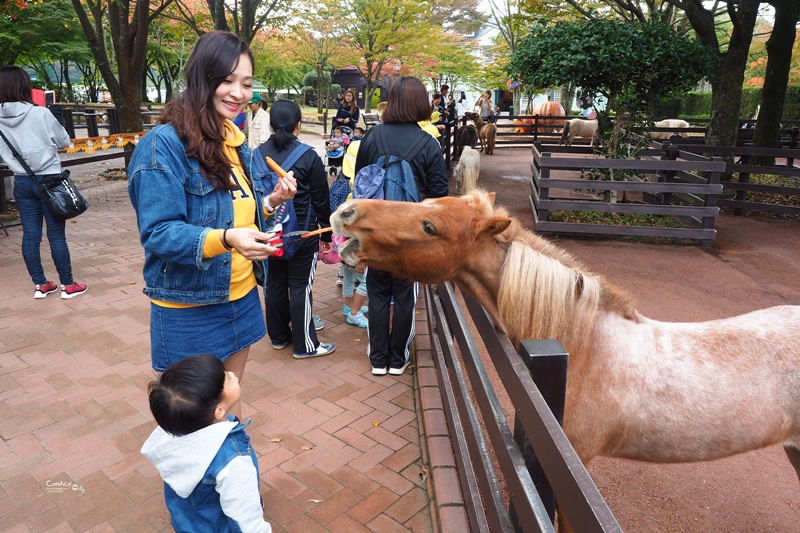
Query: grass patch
614,219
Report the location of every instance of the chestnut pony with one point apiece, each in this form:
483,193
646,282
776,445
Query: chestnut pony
636,388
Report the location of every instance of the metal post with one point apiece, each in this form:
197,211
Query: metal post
547,362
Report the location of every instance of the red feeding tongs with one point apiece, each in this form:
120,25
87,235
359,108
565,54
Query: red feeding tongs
293,236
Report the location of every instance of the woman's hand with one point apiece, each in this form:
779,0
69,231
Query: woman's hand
284,190
251,243
326,247
347,121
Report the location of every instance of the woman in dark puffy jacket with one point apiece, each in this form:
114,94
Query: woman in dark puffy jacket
348,112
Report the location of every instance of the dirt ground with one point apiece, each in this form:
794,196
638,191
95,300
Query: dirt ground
754,263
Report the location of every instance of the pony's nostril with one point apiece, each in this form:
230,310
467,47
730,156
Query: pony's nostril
349,214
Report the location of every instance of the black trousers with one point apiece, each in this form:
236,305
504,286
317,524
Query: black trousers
390,330
289,299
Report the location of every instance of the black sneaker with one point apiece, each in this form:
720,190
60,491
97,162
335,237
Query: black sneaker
322,349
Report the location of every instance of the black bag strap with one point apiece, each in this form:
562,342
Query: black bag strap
287,165
17,156
293,157
412,150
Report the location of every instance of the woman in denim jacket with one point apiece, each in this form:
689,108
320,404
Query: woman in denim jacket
204,456
202,212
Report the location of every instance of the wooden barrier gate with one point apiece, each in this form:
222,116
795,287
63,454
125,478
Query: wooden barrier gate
534,379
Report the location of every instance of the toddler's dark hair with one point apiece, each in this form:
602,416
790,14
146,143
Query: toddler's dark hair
358,129
184,397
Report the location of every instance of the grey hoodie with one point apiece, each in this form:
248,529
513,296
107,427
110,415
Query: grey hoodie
37,136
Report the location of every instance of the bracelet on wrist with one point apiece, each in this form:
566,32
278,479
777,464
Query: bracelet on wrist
225,240
267,207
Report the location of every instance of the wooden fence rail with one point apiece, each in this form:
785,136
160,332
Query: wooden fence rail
471,404
686,176
738,160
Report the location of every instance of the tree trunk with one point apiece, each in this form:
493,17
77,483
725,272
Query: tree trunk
129,38
779,62
568,97
729,77
217,9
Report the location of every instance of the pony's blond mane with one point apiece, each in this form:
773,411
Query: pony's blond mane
540,297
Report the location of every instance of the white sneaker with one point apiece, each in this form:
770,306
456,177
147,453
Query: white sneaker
378,371
318,322
399,371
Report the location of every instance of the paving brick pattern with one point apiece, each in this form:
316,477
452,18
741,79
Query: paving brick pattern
339,449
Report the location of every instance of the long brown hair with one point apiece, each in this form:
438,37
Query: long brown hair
215,56
353,105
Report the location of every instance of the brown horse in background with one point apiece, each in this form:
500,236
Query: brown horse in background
487,132
636,388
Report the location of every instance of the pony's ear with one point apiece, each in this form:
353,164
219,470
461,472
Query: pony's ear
491,196
493,225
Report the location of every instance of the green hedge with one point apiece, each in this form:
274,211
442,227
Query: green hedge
697,104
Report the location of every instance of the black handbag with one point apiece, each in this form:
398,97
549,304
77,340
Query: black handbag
60,195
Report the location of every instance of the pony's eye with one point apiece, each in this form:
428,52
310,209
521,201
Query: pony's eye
428,228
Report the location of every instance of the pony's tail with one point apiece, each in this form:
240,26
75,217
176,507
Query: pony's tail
564,134
491,135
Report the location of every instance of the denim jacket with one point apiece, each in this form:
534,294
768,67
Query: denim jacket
175,208
211,480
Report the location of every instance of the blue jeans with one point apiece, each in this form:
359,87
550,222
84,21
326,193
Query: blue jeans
33,214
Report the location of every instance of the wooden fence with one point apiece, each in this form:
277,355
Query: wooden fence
739,161
687,177
534,129
535,381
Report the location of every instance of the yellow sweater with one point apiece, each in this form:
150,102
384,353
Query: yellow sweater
244,216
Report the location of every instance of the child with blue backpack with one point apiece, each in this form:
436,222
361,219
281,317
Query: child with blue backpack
203,454
354,284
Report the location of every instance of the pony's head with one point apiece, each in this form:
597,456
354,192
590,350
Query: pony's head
431,241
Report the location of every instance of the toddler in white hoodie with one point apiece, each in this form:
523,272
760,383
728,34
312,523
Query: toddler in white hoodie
204,456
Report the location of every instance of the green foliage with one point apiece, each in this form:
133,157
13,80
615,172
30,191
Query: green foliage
310,79
632,64
697,104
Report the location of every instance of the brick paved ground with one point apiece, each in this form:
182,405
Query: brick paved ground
339,449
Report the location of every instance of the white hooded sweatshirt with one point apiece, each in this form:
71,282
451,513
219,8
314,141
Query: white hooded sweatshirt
183,461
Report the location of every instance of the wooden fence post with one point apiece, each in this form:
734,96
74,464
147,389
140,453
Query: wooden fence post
547,362
744,177
69,123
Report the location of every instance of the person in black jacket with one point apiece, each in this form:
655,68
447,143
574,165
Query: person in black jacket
288,295
348,112
407,105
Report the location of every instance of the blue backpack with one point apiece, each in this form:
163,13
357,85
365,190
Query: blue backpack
390,177
285,215
339,191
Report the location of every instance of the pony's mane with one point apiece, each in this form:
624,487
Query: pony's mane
545,293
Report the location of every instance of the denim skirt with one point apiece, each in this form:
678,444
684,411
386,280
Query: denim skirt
220,330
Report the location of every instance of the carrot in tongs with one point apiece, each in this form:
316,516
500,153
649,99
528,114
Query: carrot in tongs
299,235
276,167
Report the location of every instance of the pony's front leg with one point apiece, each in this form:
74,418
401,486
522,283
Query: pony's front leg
793,453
